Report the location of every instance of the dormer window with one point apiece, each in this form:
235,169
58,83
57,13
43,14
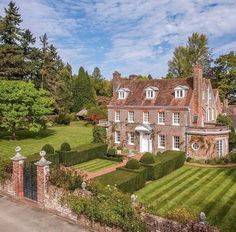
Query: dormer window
151,92
123,93
180,91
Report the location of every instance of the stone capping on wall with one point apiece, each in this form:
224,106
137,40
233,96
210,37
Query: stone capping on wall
156,223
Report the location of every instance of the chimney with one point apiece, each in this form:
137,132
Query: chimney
133,77
116,81
197,87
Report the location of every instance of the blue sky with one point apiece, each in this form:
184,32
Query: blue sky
131,36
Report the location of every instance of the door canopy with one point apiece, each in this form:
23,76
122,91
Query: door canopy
144,128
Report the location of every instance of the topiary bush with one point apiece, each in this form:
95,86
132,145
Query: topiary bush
65,147
148,158
132,164
48,148
111,152
99,134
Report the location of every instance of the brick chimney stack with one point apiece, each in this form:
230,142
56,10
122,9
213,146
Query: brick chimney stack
197,86
116,81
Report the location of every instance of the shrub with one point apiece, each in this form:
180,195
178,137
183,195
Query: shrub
165,163
63,119
189,159
117,158
65,179
54,158
232,157
5,170
99,134
109,206
48,148
132,164
83,154
182,215
65,147
147,158
96,113
111,152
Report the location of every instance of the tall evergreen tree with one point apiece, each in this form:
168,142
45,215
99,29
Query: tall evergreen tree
83,93
195,52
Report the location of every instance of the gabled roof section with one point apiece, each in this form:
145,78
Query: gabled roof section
154,88
124,89
181,87
165,97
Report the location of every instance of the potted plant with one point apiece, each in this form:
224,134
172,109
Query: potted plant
119,150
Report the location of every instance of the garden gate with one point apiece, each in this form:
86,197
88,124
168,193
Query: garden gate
30,181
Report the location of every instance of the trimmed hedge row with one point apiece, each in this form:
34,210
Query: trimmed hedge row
83,154
116,158
54,158
165,163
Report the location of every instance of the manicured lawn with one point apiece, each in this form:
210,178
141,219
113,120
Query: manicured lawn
76,134
95,165
211,190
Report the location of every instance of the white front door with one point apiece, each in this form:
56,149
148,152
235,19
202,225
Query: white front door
145,143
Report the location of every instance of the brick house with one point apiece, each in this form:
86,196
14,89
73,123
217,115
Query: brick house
175,114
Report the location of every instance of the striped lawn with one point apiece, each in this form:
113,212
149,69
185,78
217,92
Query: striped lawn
211,190
95,165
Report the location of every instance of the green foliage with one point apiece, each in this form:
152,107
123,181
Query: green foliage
108,206
83,94
23,106
111,152
65,147
232,157
48,148
182,215
132,164
83,154
224,78
65,179
195,52
5,170
99,134
127,180
96,113
63,119
53,158
165,163
147,158
117,158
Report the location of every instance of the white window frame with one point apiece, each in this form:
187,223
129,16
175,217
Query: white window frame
150,94
160,145
117,116
117,137
146,116
220,147
212,114
129,114
161,118
176,121
177,148
122,94
180,93
131,138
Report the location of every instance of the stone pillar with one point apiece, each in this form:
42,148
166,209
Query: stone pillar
42,172
18,174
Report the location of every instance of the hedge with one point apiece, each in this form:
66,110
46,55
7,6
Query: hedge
82,154
54,158
165,163
127,180
116,158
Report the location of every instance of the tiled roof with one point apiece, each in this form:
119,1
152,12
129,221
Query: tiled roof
165,94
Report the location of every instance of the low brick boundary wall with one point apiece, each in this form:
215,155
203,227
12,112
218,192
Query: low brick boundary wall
7,188
157,224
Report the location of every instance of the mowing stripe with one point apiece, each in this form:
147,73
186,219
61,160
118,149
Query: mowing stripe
88,165
172,194
190,191
101,166
91,163
210,188
164,180
171,185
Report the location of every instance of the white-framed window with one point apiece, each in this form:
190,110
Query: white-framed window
176,118
180,93
117,136
203,94
150,94
161,141
195,146
212,114
208,114
130,116
220,147
161,117
131,138
117,116
145,117
176,142
121,94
